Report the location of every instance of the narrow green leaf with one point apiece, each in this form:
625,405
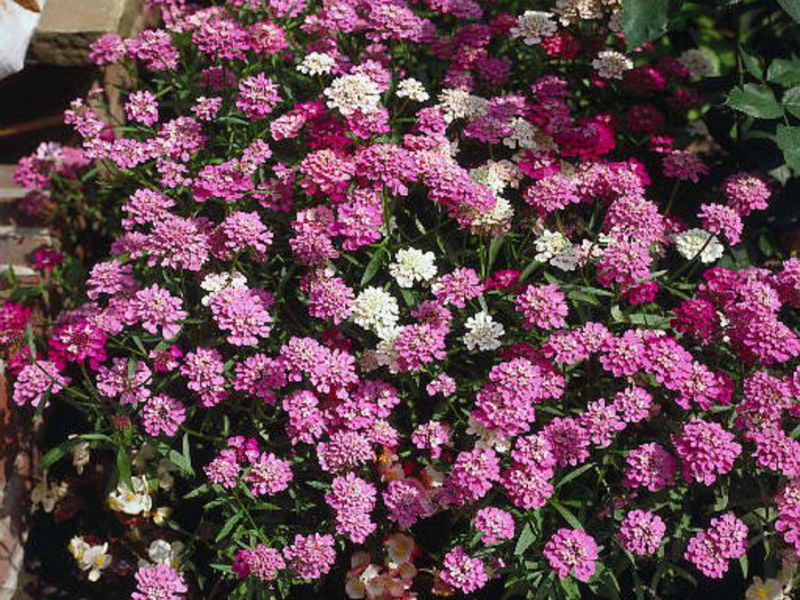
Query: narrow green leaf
372,266
574,474
228,526
124,466
525,539
565,512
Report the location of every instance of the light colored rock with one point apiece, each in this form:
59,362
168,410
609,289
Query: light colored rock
69,26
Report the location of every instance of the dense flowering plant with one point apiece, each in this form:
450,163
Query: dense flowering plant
412,298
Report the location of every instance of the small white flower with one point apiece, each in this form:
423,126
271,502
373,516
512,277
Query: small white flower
351,93
131,501
496,221
690,243
555,248
769,589
164,472
611,64
533,25
81,455
316,63
411,265
413,90
697,62
487,438
459,104
376,310
163,552
549,244
483,332
214,283
615,21
93,559
386,353
47,495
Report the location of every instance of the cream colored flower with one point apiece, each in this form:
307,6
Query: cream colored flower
769,589
411,265
316,63
413,90
94,559
353,93
533,25
131,501
611,64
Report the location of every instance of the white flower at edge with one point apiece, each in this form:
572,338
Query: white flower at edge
611,64
411,265
131,501
533,25
690,243
413,90
769,589
483,332
376,310
81,455
47,495
93,559
316,63
353,93
214,283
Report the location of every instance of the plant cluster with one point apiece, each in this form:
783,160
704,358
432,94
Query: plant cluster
413,298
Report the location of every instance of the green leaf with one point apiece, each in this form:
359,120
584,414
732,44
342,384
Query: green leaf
743,564
792,7
755,100
124,466
644,20
752,63
565,512
791,100
788,139
784,72
574,474
525,539
372,266
228,526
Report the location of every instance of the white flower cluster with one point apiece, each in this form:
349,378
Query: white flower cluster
697,62
611,64
214,283
316,63
458,104
376,310
533,25
556,249
696,241
353,93
483,332
413,90
411,265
